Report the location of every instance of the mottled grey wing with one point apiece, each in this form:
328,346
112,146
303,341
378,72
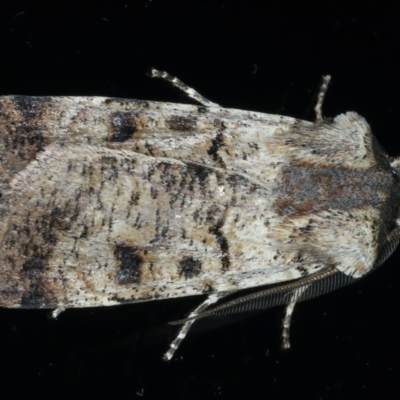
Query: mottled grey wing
89,226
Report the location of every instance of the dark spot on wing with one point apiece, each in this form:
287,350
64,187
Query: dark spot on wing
23,124
31,107
201,172
208,288
189,267
33,297
129,264
179,123
123,126
222,242
38,295
34,263
202,109
306,229
303,271
212,151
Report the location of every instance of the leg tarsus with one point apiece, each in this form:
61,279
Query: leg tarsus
155,73
57,312
213,298
287,319
321,96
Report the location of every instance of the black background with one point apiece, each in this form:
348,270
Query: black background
258,55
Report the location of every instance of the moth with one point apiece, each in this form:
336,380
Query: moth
107,201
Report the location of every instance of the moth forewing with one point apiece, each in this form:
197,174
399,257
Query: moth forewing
107,201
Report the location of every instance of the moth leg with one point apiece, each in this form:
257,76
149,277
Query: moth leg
57,312
155,73
321,97
287,319
213,298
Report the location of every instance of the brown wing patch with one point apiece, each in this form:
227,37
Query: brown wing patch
130,262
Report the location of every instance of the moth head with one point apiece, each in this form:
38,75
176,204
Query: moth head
395,170
392,236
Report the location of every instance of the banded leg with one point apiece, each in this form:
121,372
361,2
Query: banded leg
287,319
188,324
321,96
155,73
